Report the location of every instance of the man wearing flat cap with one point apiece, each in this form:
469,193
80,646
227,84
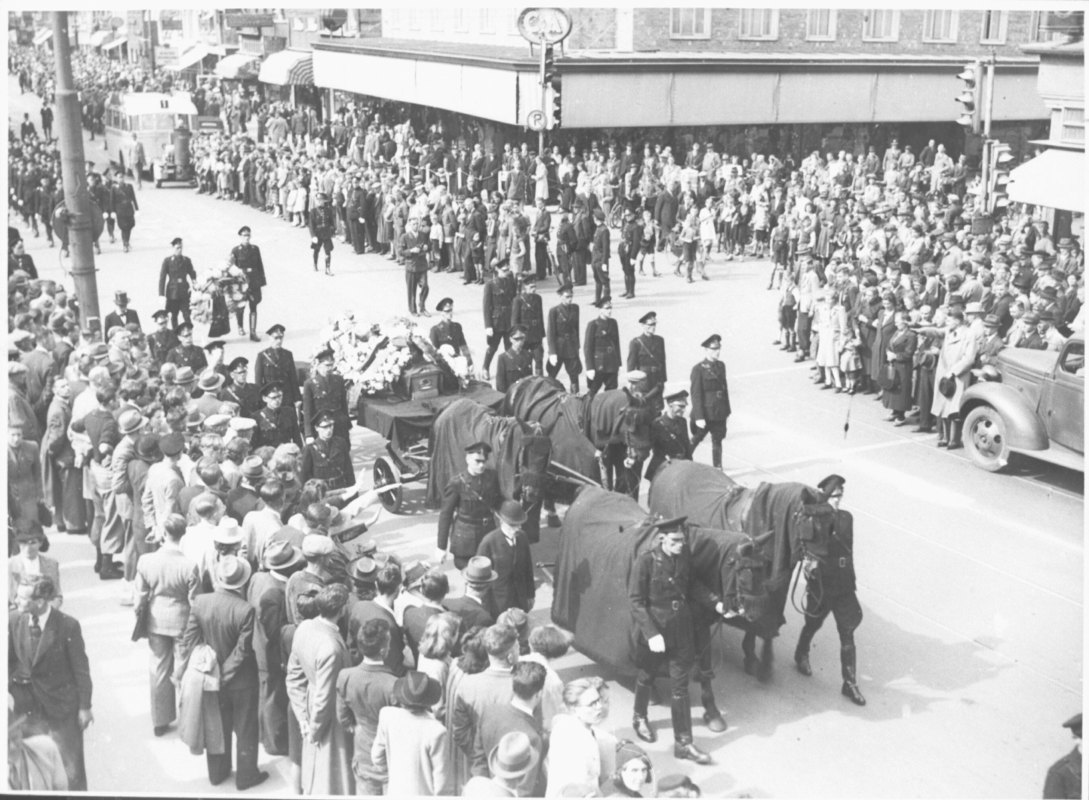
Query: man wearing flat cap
468,503
710,399
328,456
646,354
325,390
661,591
247,257
1064,777
174,283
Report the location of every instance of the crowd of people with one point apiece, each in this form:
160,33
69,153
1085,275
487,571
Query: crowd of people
230,510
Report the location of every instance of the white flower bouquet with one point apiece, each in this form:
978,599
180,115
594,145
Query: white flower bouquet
227,281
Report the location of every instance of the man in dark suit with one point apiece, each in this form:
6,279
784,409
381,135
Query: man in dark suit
519,715
433,588
710,399
174,277
276,364
247,257
602,349
563,338
323,226
475,607
48,673
528,312
388,580
646,354
584,236
225,621
567,243
508,550
187,354
499,295
542,231
599,259
122,315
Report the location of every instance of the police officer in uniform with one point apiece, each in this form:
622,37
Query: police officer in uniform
1064,777
162,340
174,277
468,503
669,434
276,364
646,353
602,349
325,390
499,295
276,423
528,312
514,363
323,226
710,399
563,338
446,331
328,456
187,354
661,591
247,257
830,588
245,395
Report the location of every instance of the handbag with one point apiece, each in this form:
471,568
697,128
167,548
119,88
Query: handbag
888,380
947,386
143,614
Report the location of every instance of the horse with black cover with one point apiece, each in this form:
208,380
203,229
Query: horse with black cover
604,437
520,450
603,534
779,517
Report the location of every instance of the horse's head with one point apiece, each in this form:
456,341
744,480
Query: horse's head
534,458
635,423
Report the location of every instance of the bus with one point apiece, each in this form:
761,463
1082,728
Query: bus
153,116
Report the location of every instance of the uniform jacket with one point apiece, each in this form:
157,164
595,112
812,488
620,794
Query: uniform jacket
449,333
647,354
527,311
57,674
225,621
276,427
710,392
330,461
602,345
660,589
1064,777
668,439
514,588
602,247
174,277
325,393
160,343
168,581
245,395
563,331
499,295
511,367
323,222
472,498
188,356
247,257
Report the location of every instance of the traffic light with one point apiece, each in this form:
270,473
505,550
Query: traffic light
971,97
1001,159
552,86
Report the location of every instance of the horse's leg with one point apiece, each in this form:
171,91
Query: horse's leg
712,717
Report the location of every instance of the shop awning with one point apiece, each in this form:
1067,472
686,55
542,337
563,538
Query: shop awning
41,37
114,44
288,68
193,55
98,38
237,67
1054,179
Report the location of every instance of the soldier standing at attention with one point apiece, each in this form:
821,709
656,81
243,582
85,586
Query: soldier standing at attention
325,391
162,340
661,591
446,331
830,588
276,364
238,391
187,354
669,434
602,349
328,456
528,312
514,363
710,399
247,257
563,338
646,354
599,260
323,226
468,503
174,277
276,424
499,295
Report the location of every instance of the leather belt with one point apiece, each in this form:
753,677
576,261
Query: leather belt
843,563
670,605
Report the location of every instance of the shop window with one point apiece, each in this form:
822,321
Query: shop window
690,23
1037,33
881,25
994,27
940,26
414,21
487,20
820,25
1073,129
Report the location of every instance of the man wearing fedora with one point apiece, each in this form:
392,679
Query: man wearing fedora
225,621
508,550
1064,776
509,762
245,497
992,343
475,606
209,383
410,744
247,257
468,503
174,282
167,581
187,354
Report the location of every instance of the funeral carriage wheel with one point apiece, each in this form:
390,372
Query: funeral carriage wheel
386,472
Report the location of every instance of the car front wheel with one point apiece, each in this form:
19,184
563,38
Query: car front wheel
985,438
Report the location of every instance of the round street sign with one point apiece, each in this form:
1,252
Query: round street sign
544,25
535,120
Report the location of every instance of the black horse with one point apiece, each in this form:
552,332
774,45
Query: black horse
520,451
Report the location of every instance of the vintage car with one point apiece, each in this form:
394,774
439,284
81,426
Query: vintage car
1032,403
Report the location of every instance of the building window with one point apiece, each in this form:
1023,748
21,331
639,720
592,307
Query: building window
312,24
414,18
512,20
881,25
820,25
759,23
690,23
1036,28
994,27
1073,129
940,26
487,20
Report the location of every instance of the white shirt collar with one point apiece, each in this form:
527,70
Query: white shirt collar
44,616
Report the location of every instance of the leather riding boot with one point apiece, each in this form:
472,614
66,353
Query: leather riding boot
683,748
955,426
850,682
639,714
712,717
801,652
253,327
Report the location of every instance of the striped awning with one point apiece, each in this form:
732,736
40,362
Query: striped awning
98,38
115,43
42,36
288,68
237,67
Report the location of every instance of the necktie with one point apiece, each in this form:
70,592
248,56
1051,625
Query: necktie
35,632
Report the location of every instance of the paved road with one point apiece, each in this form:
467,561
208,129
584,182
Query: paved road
970,653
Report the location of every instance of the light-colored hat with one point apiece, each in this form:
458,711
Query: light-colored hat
316,544
227,532
232,572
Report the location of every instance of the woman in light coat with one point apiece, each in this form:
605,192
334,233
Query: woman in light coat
830,323
957,355
580,752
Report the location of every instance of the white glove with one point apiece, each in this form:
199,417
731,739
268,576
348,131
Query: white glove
489,332
313,240
656,644
552,359
440,555
699,423
590,373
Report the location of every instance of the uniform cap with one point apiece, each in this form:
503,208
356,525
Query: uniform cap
714,341
217,344
269,388
1074,724
242,424
670,525
325,354
176,241
677,397
445,304
160,314
244,230
213,421
323,418
650,316
275,329
185,327
831,484
636,375
241,361
565,289
479,447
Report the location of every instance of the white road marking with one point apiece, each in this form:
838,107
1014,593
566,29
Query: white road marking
776,371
